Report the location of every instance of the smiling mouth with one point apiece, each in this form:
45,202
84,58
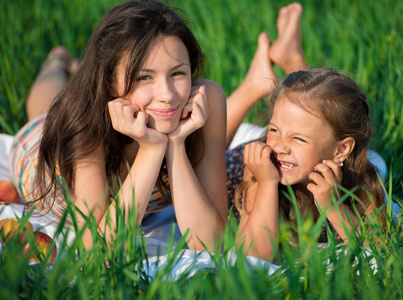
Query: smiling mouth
166,113
285,165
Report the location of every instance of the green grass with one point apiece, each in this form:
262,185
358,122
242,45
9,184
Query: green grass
339,271
361,38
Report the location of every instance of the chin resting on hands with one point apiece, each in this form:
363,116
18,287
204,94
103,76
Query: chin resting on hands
129,120
194,114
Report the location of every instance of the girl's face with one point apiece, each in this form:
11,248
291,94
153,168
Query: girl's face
299,140
163,85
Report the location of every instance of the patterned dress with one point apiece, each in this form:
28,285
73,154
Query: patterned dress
235,168
23,162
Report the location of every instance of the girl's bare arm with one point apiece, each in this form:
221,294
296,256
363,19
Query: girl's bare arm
199,194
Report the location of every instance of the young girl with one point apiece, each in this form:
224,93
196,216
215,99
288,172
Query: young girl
316,140
133,123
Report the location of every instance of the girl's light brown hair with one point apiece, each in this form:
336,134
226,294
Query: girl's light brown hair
342,105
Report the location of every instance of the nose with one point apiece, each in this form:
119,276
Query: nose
165,91
278,145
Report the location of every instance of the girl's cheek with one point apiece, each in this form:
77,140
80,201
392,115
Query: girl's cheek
140,98
184,88
269,140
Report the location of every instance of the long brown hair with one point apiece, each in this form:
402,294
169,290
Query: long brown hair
342,105
78,121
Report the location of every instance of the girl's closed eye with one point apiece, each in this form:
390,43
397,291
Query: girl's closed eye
300,139
273,130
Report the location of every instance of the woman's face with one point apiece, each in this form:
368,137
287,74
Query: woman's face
163,84
299,140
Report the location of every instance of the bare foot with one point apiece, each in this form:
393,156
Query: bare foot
261,77
58,65
74,65
50,81
286,51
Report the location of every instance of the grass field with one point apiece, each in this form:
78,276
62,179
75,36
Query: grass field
362,38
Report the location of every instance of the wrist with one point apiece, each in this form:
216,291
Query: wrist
268,183
159,143
327,207
175,147
153,149
176,141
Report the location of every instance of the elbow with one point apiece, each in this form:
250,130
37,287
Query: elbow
208,240
257,247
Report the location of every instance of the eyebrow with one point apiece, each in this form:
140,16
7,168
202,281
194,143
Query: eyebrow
293,133
173,68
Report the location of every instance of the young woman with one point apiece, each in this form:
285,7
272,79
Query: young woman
133,123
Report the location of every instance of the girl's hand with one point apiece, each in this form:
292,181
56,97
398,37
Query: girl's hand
198,109
129,120
325,177
257,158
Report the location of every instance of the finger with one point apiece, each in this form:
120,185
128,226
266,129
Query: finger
197,103
195,90
327,173
313,188
266,153
112,113
258,150
142,117
246,152
117,105
141,124
187,109
252,149
317,178
115,111
128,113
120,100
264,150
199,114
336,168
201,100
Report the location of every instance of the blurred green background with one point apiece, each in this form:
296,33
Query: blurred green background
362,38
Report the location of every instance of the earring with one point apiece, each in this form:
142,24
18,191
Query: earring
341,164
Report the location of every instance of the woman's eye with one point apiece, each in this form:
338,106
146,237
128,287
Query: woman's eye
178,73
145,77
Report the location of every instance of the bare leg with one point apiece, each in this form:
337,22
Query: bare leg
258,83
286,51
49,82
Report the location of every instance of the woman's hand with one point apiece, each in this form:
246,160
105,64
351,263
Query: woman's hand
325,177
257,158
129,120
198,109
